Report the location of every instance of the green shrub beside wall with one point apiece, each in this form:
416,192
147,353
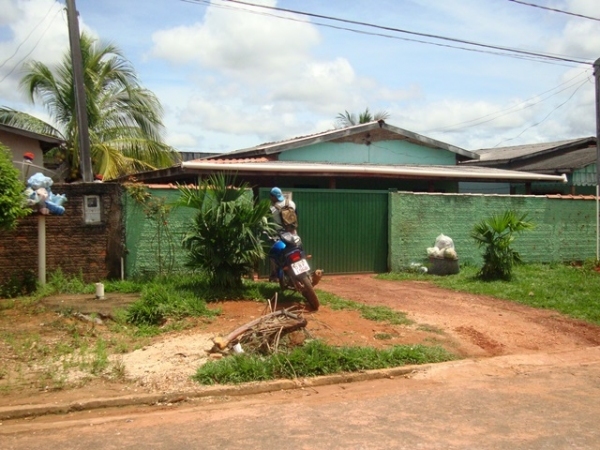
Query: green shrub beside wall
140,234
565,228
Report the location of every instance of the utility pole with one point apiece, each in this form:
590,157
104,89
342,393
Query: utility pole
85,164
597,77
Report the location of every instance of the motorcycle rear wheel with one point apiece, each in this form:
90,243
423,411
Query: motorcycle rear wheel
308,292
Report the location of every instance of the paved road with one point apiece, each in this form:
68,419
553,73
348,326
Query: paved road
549,402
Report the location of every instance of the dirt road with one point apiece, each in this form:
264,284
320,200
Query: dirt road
468,325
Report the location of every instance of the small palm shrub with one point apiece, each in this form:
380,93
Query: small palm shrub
496,234
224,240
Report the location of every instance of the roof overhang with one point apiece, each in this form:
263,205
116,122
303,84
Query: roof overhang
456,173
32,135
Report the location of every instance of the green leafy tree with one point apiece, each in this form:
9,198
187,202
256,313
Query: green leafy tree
496,234
124,119
225,238
12,197
347,119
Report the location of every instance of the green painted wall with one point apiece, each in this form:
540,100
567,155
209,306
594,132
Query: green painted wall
566,228
380,152
565,231
142,245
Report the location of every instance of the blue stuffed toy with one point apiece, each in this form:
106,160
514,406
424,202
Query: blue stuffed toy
40,195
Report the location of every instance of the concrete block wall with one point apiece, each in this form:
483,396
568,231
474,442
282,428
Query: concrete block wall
565,227
92,250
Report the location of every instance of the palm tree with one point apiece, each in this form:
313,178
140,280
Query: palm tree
225,237
347,119
124,119
496,235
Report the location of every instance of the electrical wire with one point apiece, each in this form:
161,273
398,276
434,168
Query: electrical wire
398,30
503,112
547,115
31,51
27,37
538,57
370,33
555,10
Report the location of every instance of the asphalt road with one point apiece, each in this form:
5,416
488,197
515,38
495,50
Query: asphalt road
509,402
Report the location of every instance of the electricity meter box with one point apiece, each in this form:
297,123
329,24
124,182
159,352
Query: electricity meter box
92,212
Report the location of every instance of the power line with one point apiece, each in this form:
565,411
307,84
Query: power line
371,33
27,37
547,115
30,51
432,36
555,10
510,110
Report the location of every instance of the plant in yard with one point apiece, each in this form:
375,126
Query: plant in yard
225,237
157,212
496,235
12,197
124,119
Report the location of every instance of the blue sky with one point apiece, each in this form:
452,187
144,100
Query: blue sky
229,79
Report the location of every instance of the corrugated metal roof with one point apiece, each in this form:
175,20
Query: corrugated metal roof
562,162
344,133
514,153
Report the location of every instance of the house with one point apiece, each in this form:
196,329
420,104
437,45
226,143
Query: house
21,141
374,155
574,158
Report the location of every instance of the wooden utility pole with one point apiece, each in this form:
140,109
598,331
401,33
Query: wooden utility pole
597,77
85,164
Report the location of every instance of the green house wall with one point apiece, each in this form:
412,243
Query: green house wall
380,152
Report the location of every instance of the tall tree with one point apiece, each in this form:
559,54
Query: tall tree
124,119
347,119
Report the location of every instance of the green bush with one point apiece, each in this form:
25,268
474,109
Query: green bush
496,235
224,240
19,285
12,197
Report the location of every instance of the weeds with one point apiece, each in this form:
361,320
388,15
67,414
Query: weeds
314,359
374,313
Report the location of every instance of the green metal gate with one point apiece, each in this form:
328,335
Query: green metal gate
345,231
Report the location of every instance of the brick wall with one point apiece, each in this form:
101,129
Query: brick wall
94,250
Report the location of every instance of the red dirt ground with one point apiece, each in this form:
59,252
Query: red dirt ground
465,324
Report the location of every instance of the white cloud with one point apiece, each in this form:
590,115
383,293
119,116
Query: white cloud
9,10
37,31
239,43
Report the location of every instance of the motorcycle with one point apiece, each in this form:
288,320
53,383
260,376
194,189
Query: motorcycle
292,268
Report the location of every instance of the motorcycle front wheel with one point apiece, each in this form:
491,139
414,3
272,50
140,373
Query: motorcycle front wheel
308,292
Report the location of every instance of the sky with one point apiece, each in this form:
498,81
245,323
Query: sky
231,76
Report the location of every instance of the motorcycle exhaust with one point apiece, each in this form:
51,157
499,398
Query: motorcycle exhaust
316,277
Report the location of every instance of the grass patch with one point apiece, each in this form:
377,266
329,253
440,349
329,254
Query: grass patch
374,313
571,290
314,359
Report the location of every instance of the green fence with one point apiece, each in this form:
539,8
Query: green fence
354,231
565,228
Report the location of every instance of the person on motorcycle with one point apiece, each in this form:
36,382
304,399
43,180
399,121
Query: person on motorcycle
279,207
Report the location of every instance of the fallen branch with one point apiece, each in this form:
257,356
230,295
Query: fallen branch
265,329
